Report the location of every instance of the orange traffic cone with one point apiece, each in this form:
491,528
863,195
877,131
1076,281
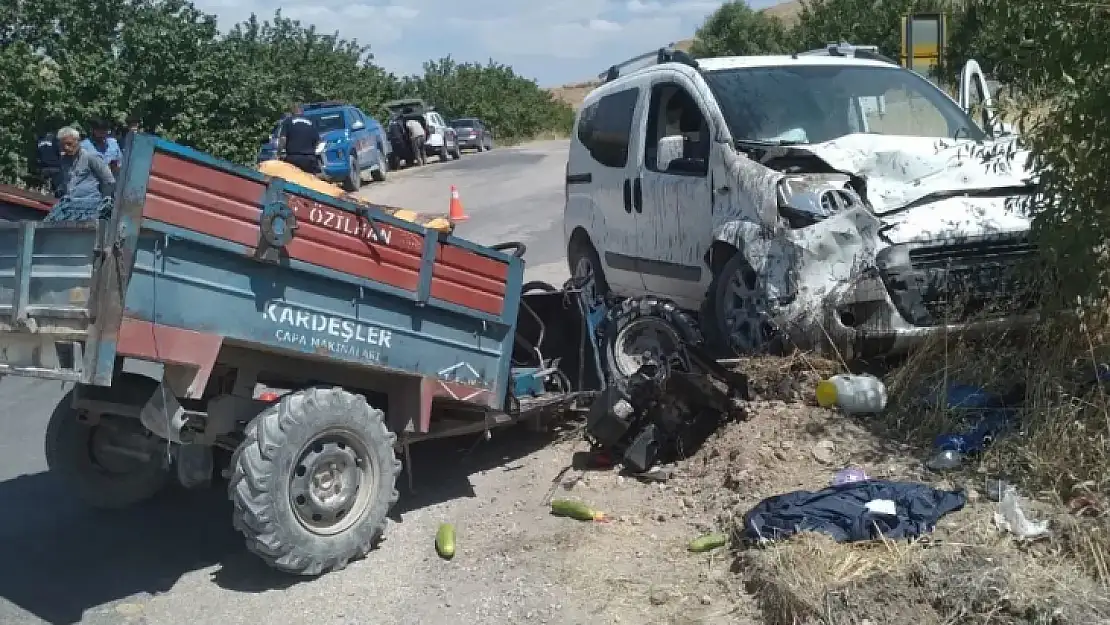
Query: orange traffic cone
455,212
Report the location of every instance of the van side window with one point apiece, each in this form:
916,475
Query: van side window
605,127
677,140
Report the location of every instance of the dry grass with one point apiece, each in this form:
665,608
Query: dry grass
1059,446
976,578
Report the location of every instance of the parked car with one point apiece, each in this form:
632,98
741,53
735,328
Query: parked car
441,141
823,198
352,144
473,134
400,141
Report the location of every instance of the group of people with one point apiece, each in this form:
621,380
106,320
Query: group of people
81,171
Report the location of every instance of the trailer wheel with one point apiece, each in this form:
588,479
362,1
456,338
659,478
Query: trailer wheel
113,464
313,480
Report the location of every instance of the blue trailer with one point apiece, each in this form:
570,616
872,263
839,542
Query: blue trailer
301,343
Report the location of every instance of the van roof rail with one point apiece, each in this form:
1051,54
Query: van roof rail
666,54
845,49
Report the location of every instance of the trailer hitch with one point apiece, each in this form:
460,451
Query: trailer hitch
277,224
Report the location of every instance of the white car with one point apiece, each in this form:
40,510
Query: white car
830,198
442,139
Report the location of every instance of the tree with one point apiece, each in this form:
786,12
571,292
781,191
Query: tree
69,61
737,29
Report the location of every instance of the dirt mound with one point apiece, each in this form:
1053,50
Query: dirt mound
966,571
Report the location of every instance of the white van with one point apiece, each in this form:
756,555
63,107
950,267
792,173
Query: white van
830,197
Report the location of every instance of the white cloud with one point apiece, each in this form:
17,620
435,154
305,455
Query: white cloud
555,41
604,26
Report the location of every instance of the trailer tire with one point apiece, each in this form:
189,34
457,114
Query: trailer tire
70,454
285,471
631,324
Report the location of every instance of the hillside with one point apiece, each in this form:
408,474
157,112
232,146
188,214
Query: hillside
574,93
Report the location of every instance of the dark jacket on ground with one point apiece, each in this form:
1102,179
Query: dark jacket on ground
841,512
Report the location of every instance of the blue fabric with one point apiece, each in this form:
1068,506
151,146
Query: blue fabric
111,153
80,209
841,512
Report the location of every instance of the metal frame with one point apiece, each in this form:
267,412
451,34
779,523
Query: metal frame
845,49
667,54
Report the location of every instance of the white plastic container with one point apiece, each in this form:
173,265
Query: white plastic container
854,394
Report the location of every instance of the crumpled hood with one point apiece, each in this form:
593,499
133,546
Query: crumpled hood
900,170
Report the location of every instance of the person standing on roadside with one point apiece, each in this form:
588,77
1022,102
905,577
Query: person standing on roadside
298,138
417,137
104,146
48,155
88,182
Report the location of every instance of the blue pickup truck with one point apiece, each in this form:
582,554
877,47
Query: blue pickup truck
353,144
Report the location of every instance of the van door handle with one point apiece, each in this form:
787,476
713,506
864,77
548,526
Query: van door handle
637,196
627,196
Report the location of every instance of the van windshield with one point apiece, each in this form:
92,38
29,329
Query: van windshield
817,103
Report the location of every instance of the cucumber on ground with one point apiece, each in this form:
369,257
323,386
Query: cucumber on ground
445,541
575,510
708,542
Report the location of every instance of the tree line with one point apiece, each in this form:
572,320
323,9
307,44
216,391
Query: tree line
166,62
1053,54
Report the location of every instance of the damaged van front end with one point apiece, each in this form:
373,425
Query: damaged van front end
869,245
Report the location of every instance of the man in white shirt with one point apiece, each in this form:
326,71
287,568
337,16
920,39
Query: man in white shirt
416,139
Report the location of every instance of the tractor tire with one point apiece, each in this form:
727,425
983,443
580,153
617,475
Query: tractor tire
642,324
313,481
80,454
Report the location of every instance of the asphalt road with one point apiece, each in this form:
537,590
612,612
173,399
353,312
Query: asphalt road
177,559
510,194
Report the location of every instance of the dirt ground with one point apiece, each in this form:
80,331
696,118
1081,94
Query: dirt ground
636,569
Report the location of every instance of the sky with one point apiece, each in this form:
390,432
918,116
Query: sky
553,41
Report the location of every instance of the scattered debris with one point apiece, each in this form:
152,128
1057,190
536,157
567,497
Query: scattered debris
1011,518
824,451
708,542
658,473
996,488
993,414
445,541
575,510
850,475
944,460
853,394
663,408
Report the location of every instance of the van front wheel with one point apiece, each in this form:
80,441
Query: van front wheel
584,262
735,314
